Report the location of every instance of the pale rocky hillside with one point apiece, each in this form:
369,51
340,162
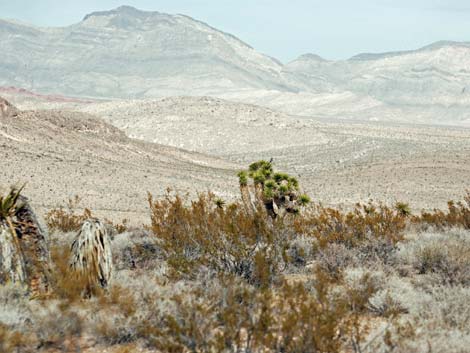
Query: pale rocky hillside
60,154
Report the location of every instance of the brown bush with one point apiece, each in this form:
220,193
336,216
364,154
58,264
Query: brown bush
234,316
457,215
67,219
224,240
364,223
14,340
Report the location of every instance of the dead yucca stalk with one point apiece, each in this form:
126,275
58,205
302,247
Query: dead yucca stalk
91,254
24,248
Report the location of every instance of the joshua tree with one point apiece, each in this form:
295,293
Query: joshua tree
279,192
12,267
24,251
91,254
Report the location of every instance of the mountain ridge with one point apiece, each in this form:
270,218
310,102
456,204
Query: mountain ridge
126,53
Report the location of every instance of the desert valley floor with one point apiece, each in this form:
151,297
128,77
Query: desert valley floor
111,153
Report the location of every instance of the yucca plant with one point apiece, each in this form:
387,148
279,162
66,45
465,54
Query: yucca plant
403,208
220,203
91,257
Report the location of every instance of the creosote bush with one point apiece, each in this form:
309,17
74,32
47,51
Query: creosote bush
70,219
230,315
67,219
230,240
365,223
457,215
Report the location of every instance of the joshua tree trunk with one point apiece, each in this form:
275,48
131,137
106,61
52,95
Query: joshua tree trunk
247,200
91,254
24,251
12,267
34,244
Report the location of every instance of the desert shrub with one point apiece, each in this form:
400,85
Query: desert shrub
406,296
301,250
136,250
12,340
67,219
223,240
334,259
118,318
386,305
230,315
357,287
440,325
450,261
118,227
366,222
68,285
457,215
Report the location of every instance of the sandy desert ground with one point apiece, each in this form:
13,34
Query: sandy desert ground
61,154
338,162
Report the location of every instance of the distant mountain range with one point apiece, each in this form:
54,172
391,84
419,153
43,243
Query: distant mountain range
127,53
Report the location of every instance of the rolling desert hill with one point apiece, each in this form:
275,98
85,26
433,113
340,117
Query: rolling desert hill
338,162
207,125
126,53
60,154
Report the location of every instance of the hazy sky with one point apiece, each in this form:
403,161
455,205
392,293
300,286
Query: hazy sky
334,29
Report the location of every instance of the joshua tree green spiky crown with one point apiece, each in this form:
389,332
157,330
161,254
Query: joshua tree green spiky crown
277,189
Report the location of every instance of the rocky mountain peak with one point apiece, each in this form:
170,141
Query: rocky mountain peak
124,10
310,57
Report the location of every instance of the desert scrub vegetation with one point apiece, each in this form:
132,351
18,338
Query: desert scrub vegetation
229,240
69,218
208,275
457,215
